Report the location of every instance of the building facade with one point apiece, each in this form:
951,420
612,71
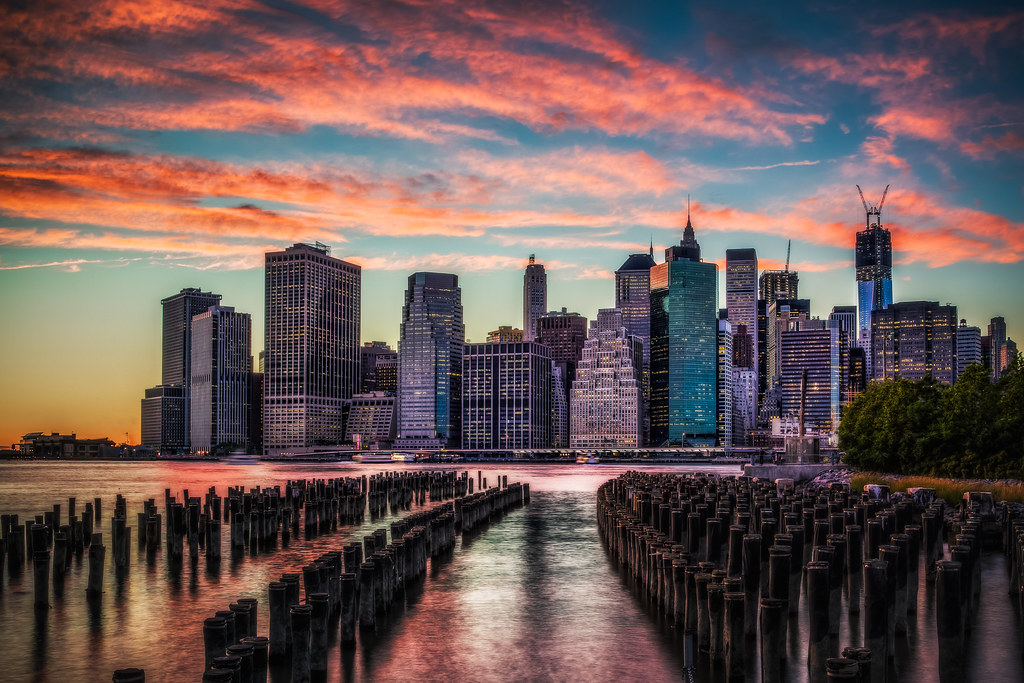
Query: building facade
822,355
968,347
724,400
504,334
506,400
607,394
744,406
371,419
369,353
912,339
221,379
178,311
535,297
311,360
633,298
741,297
778,284
163,418
430,349
684,354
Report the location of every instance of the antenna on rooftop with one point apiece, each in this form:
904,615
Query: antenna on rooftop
871,210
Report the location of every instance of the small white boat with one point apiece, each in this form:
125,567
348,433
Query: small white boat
587,460
241,458
372,458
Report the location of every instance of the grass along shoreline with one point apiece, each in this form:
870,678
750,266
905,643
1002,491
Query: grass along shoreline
950,490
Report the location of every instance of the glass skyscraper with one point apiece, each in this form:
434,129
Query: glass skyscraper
430,349
741,298
874,269
684,350
312,347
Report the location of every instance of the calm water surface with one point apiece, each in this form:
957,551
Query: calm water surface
532,597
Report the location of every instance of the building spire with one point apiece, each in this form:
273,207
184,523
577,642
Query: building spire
688,237
651,252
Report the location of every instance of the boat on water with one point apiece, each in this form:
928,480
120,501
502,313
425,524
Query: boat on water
373,457
241,458
587,460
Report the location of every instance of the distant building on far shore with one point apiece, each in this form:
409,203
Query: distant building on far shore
69,446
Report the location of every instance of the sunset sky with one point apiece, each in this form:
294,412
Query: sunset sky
153,145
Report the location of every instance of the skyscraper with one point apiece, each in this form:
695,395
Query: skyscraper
821,353
968,347
911,339
430,349
179,310
724,401
741,300
564,332
778,284
506,398
874,266
684,329
784,315
633,298
997,337
312,347
535,297
221,379
607,405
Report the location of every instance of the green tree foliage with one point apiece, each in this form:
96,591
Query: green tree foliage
973,429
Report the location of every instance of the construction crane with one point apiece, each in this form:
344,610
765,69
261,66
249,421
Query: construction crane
788,247
870,211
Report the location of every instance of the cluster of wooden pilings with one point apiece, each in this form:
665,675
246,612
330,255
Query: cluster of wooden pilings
727,559
353,586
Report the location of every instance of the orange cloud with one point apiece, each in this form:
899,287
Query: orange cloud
549,69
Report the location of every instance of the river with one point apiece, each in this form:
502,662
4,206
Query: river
533,597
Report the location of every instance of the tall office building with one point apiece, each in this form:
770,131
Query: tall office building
163,418
633,298
822,354
968,347
846,318
311,360
744,405
856,374
997,337
430,349
778,284
607,402
564,332
911,339
535,297
741,301
506,396
386,373
221,379
559,408
369,353
724,400
784,315
874,267
684,330
371,419
179,310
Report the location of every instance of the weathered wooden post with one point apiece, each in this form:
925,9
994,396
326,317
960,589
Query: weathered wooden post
300,619
751,579
96,554
215,638
876,617
818,617
319,603
773,616
278,601
128,675
949,620
735,636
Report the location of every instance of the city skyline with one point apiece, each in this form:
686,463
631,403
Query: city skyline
158,151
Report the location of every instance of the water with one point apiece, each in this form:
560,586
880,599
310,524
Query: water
532,597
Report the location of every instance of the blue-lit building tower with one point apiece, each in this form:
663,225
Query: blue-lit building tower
874,267
684,331
430,350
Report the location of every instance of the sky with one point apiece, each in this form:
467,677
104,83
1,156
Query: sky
153,145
